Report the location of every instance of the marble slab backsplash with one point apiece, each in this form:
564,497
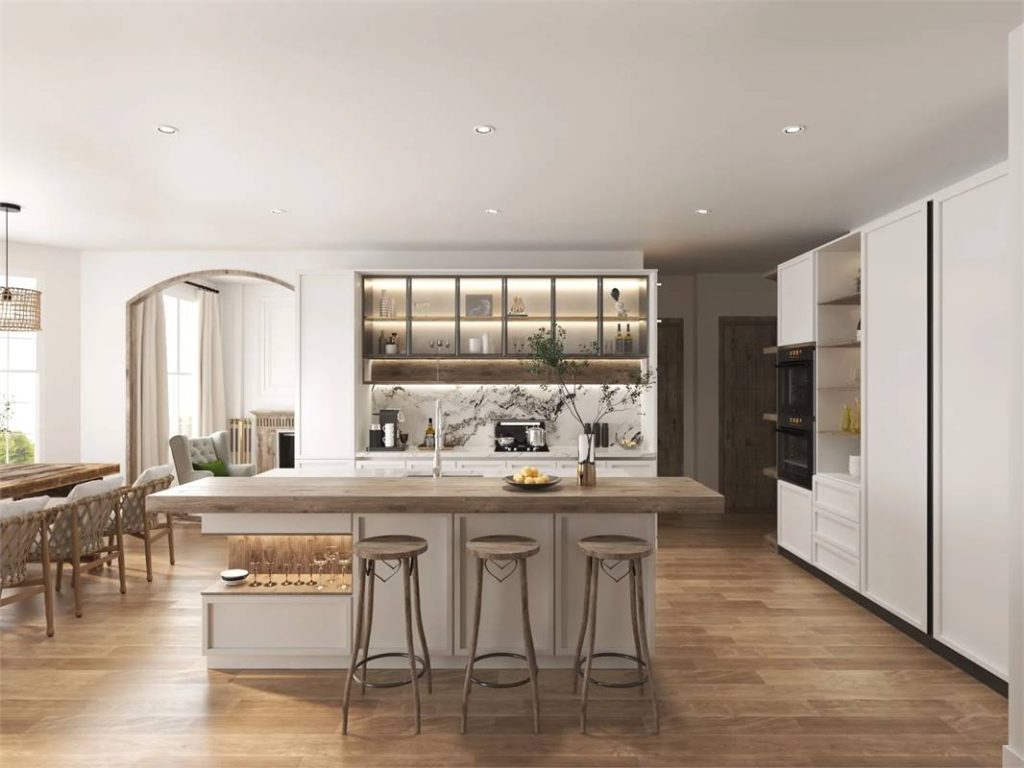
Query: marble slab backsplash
470,411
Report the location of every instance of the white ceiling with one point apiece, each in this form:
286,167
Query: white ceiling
614,121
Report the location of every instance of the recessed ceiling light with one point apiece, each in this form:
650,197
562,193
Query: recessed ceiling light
278,211
483,130
659,285
794,129
702,211
169,130
492,211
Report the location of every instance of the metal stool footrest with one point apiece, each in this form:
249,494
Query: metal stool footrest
421,669
609,655
488,683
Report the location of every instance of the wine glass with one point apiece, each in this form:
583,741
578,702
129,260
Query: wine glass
254,571
287,568
432,344
331,556
319,561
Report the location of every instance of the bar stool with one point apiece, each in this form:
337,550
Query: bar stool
507,553
604,553
406,551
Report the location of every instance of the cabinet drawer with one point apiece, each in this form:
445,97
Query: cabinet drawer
837,530
837,563
486,467
837,496
627,468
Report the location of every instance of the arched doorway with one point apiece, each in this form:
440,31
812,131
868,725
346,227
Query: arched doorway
131,346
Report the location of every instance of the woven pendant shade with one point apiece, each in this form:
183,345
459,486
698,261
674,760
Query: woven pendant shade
20,309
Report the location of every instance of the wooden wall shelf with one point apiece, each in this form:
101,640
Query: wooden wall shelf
450,370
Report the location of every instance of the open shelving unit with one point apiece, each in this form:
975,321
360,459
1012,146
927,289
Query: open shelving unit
838,358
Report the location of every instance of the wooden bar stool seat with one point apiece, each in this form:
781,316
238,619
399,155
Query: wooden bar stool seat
508,553
394,552
605,553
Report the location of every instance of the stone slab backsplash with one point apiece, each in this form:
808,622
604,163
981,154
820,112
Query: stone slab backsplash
472,410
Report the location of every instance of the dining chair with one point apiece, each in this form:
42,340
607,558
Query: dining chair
79,528
23,523
137,522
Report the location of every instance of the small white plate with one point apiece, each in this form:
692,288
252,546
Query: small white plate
234,576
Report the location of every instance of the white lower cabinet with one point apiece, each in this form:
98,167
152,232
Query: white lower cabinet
837,563
501,617
242,630
795,522
388,632
614,629
486,467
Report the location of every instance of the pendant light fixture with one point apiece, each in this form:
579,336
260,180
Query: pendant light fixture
20,308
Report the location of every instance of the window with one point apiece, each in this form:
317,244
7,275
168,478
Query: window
181,310
19,392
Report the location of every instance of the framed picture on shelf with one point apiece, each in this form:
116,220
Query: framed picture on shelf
479,304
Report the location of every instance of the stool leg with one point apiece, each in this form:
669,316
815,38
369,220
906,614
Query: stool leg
419,623
119,542
643,640
76,565
592,630
467,683
60,576
147,543
407,579
170,537
633,616
354,658
531,654
371,577
583,627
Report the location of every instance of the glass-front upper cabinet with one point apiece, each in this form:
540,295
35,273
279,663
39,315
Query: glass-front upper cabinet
480,318
527,311
384,316
433,306
576,312
624,311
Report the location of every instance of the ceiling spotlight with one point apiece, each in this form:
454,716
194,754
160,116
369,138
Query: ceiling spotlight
278,211
659,285
702,211
791,130
169,130
492,211
483,130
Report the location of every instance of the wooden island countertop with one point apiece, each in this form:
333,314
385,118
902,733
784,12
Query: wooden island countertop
661,495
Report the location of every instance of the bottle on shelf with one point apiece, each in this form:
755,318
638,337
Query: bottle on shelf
429,435
380,343
620,341
627,343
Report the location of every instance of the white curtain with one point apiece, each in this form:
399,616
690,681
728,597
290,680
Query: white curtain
149,384
212,410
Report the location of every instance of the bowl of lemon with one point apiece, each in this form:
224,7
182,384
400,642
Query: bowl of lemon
530,479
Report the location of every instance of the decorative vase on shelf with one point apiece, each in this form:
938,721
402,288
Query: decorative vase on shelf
586,468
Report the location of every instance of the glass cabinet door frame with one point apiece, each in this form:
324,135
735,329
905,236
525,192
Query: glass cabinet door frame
599,317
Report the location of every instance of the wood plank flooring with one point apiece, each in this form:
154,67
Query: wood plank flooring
758,664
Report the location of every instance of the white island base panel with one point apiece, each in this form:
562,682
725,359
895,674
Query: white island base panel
243,628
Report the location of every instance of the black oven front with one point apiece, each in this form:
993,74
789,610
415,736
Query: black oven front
796,456
795,367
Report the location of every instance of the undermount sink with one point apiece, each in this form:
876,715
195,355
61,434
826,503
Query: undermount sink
445,473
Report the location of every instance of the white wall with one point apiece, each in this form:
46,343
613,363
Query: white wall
258,332
57,273
700,300
1014,752
110,278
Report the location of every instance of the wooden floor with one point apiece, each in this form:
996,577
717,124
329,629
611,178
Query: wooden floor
758,664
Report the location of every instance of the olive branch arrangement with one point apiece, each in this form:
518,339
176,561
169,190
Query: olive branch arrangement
562,372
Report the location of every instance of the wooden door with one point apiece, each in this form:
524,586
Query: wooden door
746,441
670,397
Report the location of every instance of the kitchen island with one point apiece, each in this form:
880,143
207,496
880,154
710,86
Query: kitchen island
286,516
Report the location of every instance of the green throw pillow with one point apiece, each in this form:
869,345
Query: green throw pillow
218,467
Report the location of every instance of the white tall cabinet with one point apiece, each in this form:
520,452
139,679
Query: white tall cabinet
972,396
325,411
796,301
895,429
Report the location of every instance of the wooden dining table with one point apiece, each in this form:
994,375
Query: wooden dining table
20,480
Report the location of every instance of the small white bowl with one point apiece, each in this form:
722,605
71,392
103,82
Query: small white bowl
234,576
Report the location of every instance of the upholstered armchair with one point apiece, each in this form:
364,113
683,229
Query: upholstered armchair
187,451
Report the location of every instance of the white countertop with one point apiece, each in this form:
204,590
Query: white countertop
483,452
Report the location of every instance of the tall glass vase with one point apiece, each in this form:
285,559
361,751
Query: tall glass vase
586,469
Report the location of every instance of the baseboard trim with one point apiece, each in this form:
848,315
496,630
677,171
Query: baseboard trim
973,669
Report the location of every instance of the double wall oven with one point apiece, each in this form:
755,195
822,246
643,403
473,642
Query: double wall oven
795,431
